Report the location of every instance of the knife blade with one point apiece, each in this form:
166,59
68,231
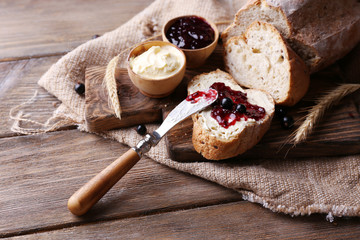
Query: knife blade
89,194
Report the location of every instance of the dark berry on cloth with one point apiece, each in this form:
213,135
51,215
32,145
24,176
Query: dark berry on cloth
80,88
141,129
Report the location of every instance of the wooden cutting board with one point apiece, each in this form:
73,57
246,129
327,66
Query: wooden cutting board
136,108
337,134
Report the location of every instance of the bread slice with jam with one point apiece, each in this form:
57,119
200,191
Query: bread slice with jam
221,133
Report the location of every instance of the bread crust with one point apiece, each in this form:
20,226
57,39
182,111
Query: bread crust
214,148
228,32
321,31
299,77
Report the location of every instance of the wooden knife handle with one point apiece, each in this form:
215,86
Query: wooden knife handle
89,194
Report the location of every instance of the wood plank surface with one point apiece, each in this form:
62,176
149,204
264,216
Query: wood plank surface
39,174
337,134
240,220
18,83
39,28
135,107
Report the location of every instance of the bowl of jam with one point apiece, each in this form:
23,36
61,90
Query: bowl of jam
195,35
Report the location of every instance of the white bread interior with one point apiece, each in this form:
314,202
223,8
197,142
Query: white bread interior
319,31
257,11
261,59
215,142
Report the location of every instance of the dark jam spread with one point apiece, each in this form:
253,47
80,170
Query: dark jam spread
209,95
227,117
190,33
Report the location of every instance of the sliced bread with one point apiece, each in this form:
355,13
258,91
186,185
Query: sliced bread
216,142
261,59
319,31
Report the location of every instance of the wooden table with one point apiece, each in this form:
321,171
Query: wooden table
39,173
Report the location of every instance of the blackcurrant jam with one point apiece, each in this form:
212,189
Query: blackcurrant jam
190,33
209,95
228,117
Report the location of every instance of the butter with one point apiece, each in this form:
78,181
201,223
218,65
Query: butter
158,62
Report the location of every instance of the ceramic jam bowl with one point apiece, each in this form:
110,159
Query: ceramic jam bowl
194,57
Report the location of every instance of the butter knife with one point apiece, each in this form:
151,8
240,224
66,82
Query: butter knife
89,194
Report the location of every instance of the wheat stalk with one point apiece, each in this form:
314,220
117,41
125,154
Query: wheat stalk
316,112
110,83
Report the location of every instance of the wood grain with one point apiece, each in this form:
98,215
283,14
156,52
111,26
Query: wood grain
39,174
136,108
91,192
337,134
18,83
240,220
41,28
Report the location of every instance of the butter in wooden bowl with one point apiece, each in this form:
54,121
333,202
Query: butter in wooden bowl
156,68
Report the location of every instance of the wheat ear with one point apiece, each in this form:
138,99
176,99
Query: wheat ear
316,112
110,83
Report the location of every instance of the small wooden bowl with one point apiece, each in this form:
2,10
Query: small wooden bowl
155,88
194,57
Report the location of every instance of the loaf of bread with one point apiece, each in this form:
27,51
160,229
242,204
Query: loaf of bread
261,59
319,31
216,142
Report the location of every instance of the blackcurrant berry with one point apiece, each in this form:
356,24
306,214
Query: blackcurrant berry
287,122
227,103
241,108
141,129
280,111
95,36
80,88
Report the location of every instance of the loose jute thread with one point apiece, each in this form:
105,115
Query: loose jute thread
45,127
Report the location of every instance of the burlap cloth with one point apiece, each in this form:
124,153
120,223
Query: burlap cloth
296,187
